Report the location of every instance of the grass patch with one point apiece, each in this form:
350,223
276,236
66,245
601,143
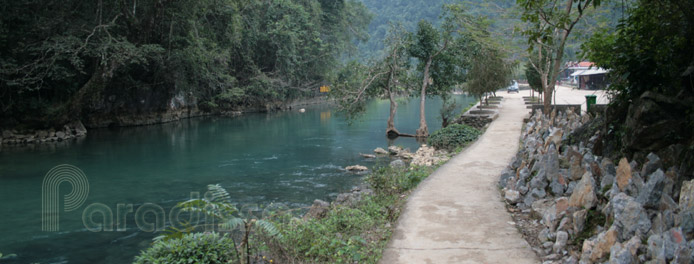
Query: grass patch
349,235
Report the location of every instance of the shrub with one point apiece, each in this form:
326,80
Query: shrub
453,136
191,248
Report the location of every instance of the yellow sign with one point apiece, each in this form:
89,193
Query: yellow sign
324,89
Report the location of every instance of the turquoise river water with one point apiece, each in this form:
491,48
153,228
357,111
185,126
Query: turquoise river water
286,158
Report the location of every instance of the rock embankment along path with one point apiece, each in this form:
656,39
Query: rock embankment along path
457,214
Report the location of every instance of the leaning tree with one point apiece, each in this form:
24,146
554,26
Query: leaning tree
385,78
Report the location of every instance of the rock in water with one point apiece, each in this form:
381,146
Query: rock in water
380,151
368,156
395,150
356,168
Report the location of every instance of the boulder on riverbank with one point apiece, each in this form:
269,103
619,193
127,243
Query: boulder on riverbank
68,131
380,151
318,210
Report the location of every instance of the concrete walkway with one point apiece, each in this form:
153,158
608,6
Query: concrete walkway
457,214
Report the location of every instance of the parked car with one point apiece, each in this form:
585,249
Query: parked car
513,87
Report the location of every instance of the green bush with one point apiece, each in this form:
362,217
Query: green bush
191,248
453,136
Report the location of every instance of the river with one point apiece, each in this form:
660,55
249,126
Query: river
287,158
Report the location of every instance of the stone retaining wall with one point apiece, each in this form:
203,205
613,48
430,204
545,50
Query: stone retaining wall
577,207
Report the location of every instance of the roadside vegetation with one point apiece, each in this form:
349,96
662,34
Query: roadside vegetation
345,234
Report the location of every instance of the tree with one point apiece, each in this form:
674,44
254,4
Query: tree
356,83
489,66
489,72
549,24
427,44
533,78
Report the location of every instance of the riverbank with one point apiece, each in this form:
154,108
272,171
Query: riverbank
21,135
356,225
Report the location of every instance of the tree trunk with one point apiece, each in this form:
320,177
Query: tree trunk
391,132
547,91
548,100
423,130
554,72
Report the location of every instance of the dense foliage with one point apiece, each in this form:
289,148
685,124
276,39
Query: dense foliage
649,55
490,71
453,136
650,51
190,248
65,60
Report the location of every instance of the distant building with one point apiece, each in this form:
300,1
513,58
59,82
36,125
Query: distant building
571,67
591,79
584,75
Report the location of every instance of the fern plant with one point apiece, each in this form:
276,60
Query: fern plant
217,205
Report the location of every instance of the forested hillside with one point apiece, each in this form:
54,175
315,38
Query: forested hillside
504,16
409,13
68,60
